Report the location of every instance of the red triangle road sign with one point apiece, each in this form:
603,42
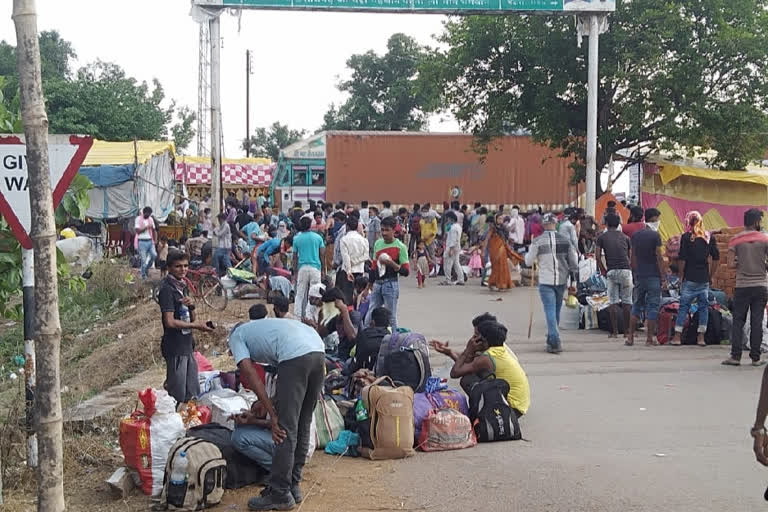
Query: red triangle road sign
66,154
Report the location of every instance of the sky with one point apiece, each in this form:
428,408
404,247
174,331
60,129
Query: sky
298,57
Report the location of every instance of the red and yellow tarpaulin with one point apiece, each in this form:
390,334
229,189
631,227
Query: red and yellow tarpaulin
721,197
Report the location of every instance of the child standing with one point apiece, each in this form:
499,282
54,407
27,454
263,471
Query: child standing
422,264
162,255
476,262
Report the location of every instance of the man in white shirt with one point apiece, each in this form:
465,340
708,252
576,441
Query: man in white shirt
146,237
452,249
364,214
355,251
386,211
516,228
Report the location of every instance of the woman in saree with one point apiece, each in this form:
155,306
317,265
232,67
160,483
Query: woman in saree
497,245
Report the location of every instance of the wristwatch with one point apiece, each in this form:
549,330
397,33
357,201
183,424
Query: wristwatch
754,431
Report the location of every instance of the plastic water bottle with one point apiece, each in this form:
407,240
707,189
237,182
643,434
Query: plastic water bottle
177,488
179,472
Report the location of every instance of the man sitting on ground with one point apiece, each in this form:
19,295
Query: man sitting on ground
281,305
487,354
368,341
257,312
253,435
336,317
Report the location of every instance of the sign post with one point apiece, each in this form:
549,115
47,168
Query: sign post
66,156
592,9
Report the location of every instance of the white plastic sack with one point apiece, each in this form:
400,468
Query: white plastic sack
587,268
209,381
223,404
312,439
164,431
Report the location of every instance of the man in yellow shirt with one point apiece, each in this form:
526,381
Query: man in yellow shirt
428,224
487,354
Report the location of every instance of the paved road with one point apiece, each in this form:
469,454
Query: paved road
610,427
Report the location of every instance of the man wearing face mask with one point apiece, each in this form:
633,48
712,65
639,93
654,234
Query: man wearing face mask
648,265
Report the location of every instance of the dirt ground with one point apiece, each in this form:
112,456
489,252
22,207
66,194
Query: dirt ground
109,353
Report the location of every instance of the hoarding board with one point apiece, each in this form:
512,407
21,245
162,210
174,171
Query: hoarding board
424,6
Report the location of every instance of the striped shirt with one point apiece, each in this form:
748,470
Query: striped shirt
556,257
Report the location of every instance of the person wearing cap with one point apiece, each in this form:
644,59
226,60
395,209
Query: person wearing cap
312,312
557,259
298,353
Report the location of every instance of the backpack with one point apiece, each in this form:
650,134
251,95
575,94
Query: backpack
407,367
394,342
206,475
241,471
390,412
673,247
492,417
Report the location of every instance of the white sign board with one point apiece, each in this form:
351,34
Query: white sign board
66,154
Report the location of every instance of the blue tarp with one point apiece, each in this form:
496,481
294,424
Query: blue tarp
108,175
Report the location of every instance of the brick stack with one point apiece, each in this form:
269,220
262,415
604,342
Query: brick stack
725,278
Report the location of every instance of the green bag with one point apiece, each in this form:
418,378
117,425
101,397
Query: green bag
241,276
329,422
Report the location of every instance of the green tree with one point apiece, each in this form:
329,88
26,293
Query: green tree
99,99
673,73
183,132
384,90
268,142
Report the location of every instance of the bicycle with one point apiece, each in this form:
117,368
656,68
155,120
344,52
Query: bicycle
203,283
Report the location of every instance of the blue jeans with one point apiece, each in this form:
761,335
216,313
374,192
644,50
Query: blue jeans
385,293
552,300
221,261
647,298
689,292
255,443
148,255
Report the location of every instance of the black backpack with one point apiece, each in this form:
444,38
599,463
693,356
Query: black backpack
492,417
241,470
407,367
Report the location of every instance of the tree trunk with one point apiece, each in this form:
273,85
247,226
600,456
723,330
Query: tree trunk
50,483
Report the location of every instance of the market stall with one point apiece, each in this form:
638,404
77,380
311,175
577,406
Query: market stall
247,176
128,176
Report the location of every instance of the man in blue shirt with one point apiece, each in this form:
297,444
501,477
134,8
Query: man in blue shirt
308,255
299,355
267,250
253,235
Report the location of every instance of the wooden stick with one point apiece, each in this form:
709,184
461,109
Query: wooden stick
530,316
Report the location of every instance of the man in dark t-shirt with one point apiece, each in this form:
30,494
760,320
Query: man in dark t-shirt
178,317
648,264
616,247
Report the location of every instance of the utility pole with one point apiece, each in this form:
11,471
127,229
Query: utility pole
216,184
247,103
28,304
47,328
594,38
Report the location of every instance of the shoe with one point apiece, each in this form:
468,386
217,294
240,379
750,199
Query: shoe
272,501
553,350
298,497
459,283
758,363
731,362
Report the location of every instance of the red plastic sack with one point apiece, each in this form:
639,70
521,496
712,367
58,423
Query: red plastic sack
136,447
259,370
203,364
204,413
446,429
148,398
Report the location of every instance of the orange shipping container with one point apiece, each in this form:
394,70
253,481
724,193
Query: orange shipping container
407,168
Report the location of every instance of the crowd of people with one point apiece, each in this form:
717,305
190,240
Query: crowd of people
345,264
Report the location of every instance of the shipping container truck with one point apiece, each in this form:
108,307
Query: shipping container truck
418,167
